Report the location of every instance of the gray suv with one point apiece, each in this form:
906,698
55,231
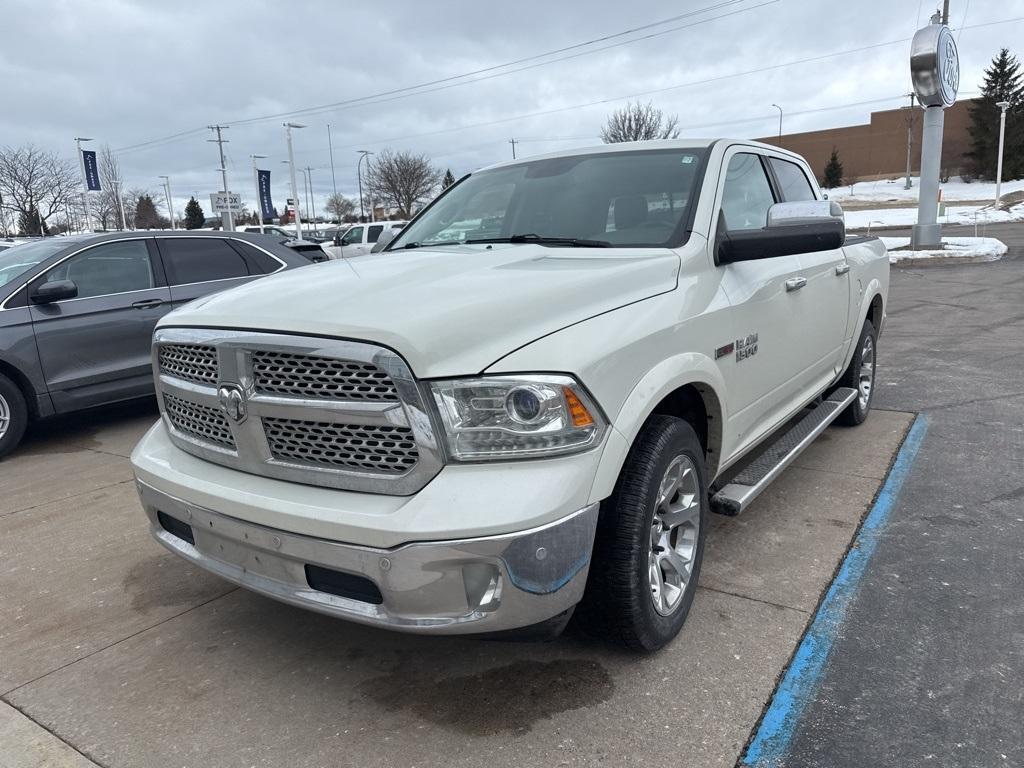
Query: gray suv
77,313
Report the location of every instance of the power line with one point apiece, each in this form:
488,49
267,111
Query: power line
407,91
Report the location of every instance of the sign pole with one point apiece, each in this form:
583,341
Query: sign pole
295,187
85,184
259,196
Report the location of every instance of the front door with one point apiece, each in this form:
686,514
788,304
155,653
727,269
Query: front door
95,348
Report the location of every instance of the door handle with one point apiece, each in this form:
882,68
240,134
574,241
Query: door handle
147,303
795,283
842,269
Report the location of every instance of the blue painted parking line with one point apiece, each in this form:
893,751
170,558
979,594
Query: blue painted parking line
801,679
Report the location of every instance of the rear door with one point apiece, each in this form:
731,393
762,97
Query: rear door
95,348
825,298
762,363
196,266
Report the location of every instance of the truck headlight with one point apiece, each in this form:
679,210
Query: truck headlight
511,417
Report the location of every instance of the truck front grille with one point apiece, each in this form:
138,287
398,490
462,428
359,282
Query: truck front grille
192,362
199,421
381,449
283,373
338,414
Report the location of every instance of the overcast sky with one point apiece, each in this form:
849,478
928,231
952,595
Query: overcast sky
129,72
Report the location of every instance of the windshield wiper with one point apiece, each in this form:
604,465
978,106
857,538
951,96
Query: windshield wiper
418,244
574,242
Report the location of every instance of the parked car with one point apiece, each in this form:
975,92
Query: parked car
269,229
359,239
77,313
531,421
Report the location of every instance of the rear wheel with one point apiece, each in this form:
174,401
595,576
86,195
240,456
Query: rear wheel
13,415
650,540
860,376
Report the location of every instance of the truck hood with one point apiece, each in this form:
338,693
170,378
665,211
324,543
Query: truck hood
448,311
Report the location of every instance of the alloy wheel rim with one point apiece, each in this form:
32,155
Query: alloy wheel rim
5,416
674,532
866,378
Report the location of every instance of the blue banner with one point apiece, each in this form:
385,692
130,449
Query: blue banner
92,173
266,204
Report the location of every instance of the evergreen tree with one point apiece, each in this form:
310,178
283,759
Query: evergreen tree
833,171
31,223
194,216
1003,82
448,180
146,216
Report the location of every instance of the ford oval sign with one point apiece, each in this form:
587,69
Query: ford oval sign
935,66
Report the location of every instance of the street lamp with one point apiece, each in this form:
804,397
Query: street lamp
780,122
291,166
85,185
310,200
362,156
256,178
170,205
1002,133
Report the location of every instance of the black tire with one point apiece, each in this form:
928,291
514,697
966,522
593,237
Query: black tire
12,405
857,411
618,604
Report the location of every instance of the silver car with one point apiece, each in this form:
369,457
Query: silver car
77,313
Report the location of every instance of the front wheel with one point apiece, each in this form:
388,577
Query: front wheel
650,540
13,415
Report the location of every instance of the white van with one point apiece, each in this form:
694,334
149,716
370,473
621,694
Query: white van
360,239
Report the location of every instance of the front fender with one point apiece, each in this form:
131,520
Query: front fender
667,376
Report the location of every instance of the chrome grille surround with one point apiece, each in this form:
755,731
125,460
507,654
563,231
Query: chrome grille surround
331,436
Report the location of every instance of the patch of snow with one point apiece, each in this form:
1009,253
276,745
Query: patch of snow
892,189
955,214
978,248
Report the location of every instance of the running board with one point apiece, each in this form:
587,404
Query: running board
748,484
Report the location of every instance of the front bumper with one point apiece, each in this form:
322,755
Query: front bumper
486,584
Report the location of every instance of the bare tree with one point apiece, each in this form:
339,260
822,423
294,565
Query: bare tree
340,206
401,180
104,203
33,179
639,122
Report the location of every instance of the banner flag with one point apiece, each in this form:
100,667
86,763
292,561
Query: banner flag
92,173
266,204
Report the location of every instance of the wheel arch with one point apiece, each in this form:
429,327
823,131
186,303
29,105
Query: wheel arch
689,387
21,381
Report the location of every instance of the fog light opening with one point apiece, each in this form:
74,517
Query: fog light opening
483,586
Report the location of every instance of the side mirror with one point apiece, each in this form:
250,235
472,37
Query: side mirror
792,229
55,290
385,237
337,240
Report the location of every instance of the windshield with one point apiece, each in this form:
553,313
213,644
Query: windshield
635,199
19,259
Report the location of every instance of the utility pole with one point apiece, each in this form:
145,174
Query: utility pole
259,196
170,205
999,163
85,185
291,168
228,222
330,147
312,200
363,154
120,203
513,142
780,122
910,136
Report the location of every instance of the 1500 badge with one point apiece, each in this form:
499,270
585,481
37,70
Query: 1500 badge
744,348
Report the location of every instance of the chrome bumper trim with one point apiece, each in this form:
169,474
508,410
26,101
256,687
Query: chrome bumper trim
486,584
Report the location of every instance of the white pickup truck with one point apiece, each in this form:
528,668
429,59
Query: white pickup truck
529,422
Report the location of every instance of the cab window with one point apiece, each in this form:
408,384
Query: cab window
353,237
747,195
793,183
373,234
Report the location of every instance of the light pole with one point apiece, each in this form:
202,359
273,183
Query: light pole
291,168
312,200
359,175
259,197
780,122
910,137
330,147
85,185
1002,134
170,205
120,203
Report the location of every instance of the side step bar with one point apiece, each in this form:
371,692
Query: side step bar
748,484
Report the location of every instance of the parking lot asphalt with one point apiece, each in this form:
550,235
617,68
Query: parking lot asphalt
114,652
927,667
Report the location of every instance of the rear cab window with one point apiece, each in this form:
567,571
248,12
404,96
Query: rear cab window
200,260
